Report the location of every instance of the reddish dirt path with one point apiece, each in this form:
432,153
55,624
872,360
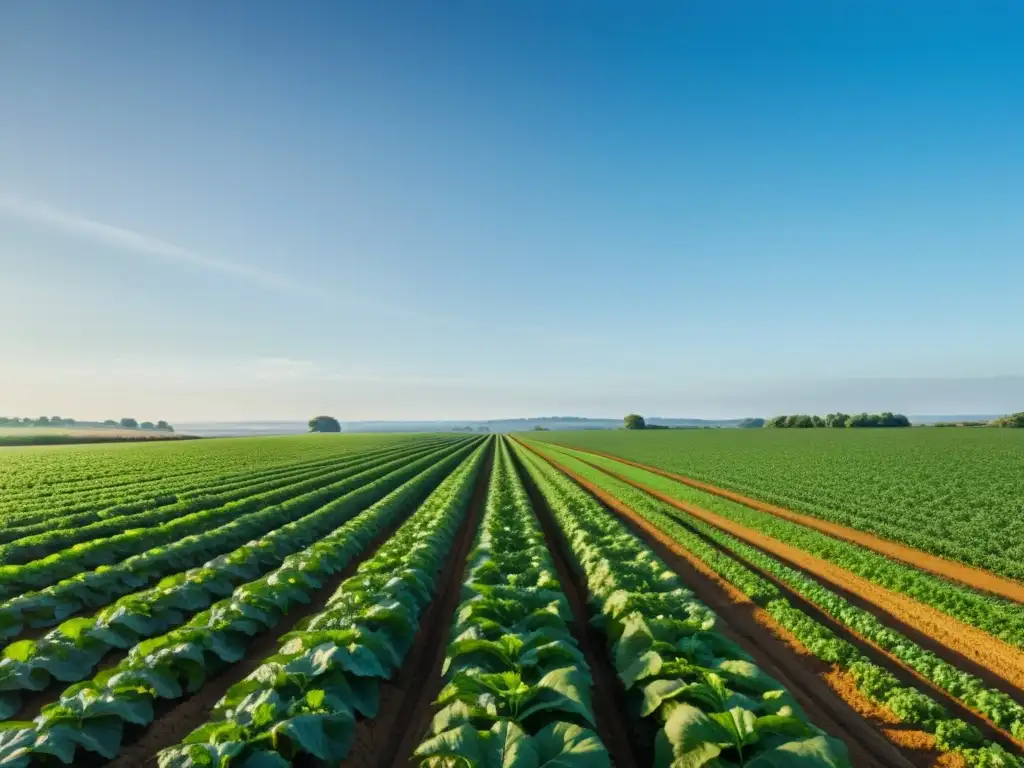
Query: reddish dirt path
826,694
976,578
1002,662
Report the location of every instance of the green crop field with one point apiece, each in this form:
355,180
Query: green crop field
958,493
461,601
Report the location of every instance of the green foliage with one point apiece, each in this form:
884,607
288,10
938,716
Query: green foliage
302,702
710,701
634,421
295,716
324,424
954,493
511,648
909,705
1013,420
840,420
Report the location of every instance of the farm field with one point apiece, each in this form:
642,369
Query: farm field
20,436
452,600
956,493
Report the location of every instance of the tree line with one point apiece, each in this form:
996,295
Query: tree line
838,421
58,421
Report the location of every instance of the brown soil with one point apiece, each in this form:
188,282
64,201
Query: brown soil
1001,664
977,578
824,692
406,700
628,746
175,720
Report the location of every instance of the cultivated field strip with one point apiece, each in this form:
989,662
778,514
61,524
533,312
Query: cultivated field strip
54,536
135,699
71,561
511,645
1002,620
814,614
304,699
32,496
96,587
954,493
71,651
207,486
455,601
692,691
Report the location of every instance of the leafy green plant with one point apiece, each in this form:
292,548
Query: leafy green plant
712,705
91,715
304,700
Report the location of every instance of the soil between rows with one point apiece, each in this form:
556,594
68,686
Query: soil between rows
977,578
627,747
178,719
1000,665
876,654
406,700
826,694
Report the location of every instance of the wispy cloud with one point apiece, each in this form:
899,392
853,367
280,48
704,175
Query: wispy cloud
139,244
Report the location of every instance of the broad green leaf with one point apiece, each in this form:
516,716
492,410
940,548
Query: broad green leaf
462,742
817,752
506,745
646,665
564,745
689,738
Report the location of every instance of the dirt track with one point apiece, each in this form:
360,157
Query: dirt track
821,690
977,578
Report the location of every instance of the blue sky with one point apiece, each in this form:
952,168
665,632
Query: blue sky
477,209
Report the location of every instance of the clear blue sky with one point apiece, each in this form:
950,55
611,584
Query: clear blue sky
474,209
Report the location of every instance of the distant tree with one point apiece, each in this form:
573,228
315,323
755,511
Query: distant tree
110,423
1014,420
634,421
129,423
324,424
776,422
539,428
799,421
751,423
837,420
147,425
817,421
164,426
43,421
483,429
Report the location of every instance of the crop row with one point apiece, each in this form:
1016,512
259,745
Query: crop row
161,547
91,716
304,700
71,651
709,701
174,498
178,519
516,681
1000,618
907,704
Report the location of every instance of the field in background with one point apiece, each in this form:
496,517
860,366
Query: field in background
11,436
958,493
392,599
